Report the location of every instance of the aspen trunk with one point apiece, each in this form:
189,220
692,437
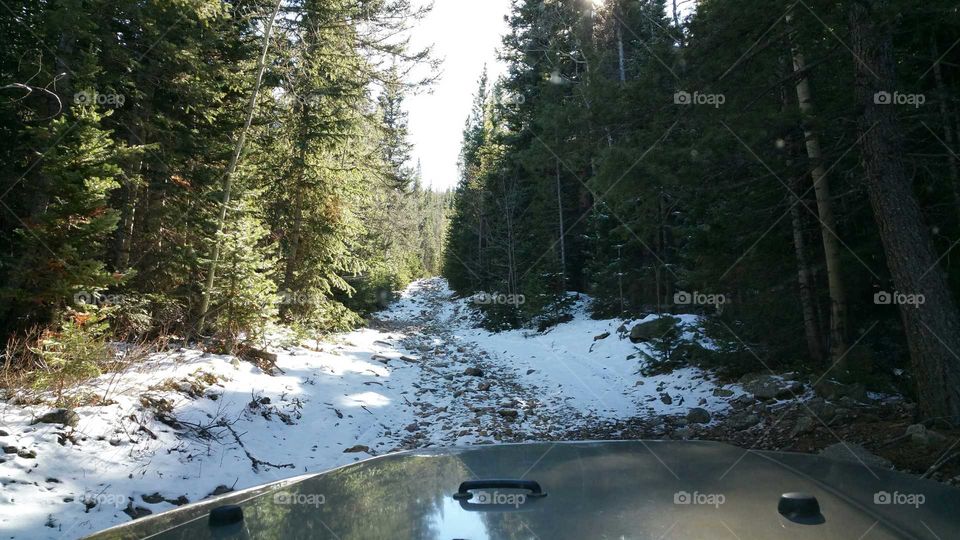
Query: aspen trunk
232,167
813,330
828,226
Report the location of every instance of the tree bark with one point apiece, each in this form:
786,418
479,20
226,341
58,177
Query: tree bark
933,328
828,225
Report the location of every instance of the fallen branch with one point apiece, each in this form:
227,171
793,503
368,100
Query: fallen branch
254,461
146,430
204,432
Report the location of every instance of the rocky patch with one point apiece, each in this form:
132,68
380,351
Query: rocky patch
656,329
66,417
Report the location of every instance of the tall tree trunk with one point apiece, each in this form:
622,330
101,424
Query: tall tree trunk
668,240
478,275
811,323
932,329
513,286
293,251
563,246
663,241
232,167
948,135
622,63
293,254
623,307
828,225
813,330
131,197
128,215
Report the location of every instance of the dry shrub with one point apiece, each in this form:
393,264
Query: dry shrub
19,360
66,361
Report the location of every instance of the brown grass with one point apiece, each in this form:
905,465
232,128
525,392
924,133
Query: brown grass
19,361
21,367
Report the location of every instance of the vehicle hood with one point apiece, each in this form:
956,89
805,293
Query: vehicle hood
616,490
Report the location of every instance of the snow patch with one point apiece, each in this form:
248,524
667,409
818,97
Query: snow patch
183,423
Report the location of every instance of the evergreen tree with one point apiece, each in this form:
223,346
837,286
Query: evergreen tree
640,157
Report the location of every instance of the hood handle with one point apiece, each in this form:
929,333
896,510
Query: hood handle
463,493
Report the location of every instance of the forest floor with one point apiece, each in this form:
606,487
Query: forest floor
188,424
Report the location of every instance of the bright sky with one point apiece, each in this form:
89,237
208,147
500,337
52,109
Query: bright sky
465,34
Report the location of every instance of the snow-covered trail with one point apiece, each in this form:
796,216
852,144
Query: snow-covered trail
571,374
187,424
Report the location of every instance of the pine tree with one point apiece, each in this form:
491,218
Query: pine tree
62,244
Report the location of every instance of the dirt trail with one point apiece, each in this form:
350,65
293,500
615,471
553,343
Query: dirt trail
491,400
